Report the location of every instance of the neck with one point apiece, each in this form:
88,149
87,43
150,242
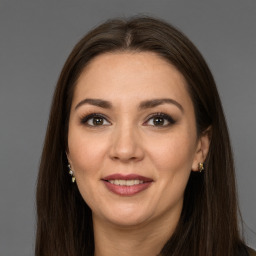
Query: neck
140,240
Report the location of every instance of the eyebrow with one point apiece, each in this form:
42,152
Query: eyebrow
156,102
95,102
143,105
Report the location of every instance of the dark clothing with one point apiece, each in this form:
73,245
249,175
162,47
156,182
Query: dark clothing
251,252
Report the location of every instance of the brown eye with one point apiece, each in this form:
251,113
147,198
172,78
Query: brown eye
158,121
95,120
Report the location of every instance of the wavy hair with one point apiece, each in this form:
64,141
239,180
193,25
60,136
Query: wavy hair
209,220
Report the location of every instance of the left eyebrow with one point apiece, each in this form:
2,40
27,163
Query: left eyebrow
156,102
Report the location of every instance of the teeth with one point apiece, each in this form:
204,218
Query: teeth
126,182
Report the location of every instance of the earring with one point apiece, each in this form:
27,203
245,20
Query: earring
71,172
200,167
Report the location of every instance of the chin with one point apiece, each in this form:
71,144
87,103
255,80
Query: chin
125,218
128,221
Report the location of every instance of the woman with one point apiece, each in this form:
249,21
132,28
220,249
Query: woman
137,122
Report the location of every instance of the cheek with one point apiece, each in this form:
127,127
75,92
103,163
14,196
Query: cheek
86,152
87,157
172,160
173,153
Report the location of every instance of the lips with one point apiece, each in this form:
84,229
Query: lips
126,185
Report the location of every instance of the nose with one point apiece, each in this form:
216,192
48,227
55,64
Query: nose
126,144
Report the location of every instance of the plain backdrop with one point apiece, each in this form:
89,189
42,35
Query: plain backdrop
36,38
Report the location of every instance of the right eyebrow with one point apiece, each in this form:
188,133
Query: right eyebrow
95,102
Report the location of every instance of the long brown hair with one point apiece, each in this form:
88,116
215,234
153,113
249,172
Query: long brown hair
208,224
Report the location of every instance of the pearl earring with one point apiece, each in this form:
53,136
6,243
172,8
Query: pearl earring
71,172
200,167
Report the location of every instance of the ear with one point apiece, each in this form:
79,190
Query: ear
202,149
68,157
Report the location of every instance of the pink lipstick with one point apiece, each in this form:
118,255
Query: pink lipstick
126,185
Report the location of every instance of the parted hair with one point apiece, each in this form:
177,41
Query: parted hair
209,222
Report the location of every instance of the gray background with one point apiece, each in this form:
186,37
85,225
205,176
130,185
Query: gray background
35,39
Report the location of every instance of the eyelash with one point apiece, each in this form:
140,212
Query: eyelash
168,118
84,120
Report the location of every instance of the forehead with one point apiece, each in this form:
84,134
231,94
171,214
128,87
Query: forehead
130,74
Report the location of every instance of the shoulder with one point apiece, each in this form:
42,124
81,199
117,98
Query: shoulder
251,252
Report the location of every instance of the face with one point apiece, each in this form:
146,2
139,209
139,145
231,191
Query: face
132,139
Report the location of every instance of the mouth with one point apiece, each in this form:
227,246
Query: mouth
125,182
126,185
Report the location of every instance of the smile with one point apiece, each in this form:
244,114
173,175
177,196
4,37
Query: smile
126,182
126,185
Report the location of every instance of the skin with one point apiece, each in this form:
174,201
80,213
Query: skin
128,141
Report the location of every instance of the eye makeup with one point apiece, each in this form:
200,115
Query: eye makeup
159,119
94,119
